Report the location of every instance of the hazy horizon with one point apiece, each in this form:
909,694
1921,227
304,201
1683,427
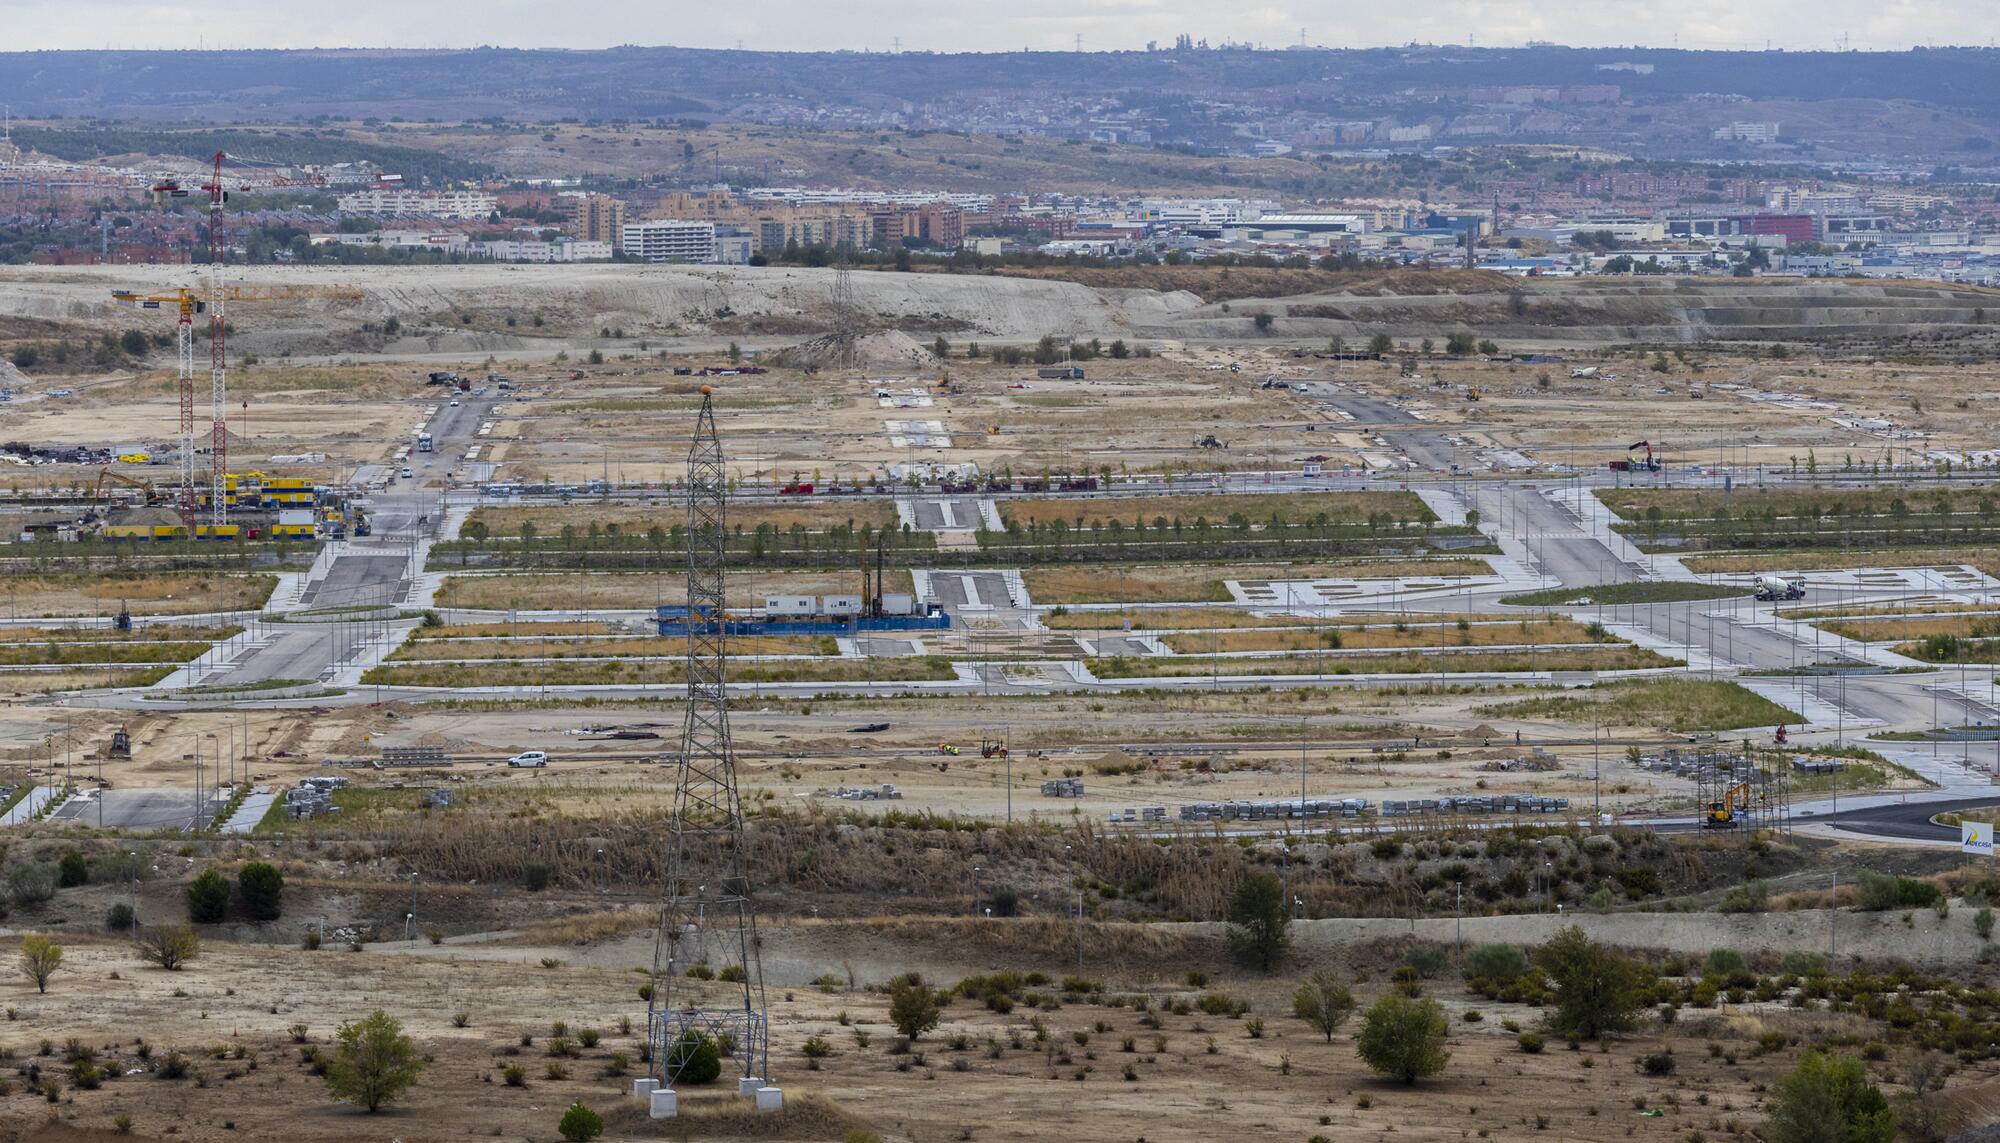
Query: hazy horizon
1038,25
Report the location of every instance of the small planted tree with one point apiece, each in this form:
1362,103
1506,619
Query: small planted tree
1258,920
169,946
373,1061
41,956
913,1008
1403,1037
1324,1003
580,1124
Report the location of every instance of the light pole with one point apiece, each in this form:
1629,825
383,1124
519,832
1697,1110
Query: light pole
132,863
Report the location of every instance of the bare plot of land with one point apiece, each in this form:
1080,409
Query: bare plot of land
635,519
1409,663
1204,583
623,591
1292,508
146,593
1439,637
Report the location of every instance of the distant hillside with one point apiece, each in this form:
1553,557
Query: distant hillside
670,82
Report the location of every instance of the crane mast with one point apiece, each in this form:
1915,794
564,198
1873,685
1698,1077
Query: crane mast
218,444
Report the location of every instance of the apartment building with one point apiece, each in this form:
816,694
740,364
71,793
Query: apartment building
670,240
941,225
431,204
598,218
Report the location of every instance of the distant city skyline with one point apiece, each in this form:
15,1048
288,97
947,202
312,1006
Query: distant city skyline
1040,25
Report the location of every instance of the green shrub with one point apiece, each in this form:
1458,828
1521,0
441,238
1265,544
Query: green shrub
1497,964
1428,960
1722,962
1529,1042
535,876
72,870
580,1124
1404,1038
1879,891
694,1059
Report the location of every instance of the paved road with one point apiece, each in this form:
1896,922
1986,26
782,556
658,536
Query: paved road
141,809
1426,445
940,514
371,571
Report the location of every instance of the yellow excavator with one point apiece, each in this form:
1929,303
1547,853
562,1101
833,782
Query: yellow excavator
1723,814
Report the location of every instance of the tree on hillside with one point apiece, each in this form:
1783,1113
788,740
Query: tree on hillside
261,886
208,898
373,1062
1258,919
1403,1037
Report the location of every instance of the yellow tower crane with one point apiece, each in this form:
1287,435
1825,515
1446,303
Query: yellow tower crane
186,303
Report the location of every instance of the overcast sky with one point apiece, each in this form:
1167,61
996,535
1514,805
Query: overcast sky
987,25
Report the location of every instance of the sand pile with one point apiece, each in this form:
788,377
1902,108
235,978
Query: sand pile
887,351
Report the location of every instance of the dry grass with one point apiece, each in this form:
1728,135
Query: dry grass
1896,630
806,1116
1294,508
1985,559
1386,637
147,634
1409,663
639,591
667,671
1631,503
1203,583
1168,619
1677,704
50,682
146,593
816,514
602,648
510,630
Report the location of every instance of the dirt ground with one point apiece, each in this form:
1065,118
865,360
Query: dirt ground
1083,1071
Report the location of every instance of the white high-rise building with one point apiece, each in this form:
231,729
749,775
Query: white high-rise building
433,204
670,240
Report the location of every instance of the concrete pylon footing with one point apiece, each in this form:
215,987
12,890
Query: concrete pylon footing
771,1098
748,1085
665,1103
643,1088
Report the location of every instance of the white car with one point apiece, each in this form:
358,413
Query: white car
406,473
530,758
454,402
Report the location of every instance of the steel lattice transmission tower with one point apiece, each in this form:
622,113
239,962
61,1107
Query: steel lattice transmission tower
706,916
846,317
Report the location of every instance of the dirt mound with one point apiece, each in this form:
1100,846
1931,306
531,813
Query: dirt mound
891,350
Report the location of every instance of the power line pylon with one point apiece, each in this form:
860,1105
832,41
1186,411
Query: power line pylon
706,915
846,320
